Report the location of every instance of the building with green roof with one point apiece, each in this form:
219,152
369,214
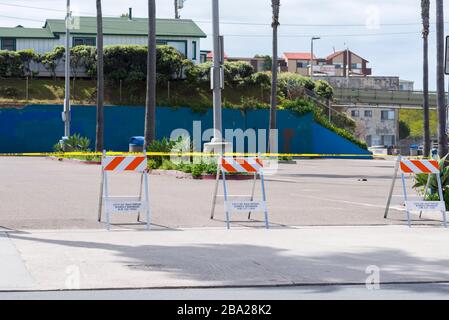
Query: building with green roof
183,34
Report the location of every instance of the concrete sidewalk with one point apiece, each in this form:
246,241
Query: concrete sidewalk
93,259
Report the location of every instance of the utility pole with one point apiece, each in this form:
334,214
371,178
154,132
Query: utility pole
66,113
311,55
217,145
179,4
217,71
177,16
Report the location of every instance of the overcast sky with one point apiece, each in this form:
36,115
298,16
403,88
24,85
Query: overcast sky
385,32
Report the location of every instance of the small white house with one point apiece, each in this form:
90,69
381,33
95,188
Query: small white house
184,35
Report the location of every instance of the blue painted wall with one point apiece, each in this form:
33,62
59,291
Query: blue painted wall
36,128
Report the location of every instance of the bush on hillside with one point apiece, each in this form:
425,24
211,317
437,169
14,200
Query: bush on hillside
16,64
323,89
50,60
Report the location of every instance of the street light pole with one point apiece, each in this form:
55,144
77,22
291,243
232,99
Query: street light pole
66,113
217,70
311,55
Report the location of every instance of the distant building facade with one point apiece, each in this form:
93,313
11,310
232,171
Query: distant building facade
377,126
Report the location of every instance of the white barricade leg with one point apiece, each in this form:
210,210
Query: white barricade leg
214,200
140,194
440,193
404,188
147,200
252,193
100,199
390,195
264,198
106,200
225,191
425,192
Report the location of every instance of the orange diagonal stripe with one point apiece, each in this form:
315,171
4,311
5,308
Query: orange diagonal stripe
259,161
435,164
134,164
420,166
227,167
114,163
245,165
405,169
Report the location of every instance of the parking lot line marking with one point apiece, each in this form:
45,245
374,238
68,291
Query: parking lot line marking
346,202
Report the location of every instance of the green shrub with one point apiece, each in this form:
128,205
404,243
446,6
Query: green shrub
432,194
292,85
50,60
9,92
199,73
323,89
27,57
404,130
262,79
164,146
237,72
10,64
74,143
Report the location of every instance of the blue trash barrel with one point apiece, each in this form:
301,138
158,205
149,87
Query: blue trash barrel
136,144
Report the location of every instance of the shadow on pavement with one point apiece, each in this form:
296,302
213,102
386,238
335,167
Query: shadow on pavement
252,265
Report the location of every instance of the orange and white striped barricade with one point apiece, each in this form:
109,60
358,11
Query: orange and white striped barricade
124,204
240,165
429,167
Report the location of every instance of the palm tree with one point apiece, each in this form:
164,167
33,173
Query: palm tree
425,13
150,106
442,134
99,142
275,4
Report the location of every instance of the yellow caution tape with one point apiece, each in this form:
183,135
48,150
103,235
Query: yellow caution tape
189,154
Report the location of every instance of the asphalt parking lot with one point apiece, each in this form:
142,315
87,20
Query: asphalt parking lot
39,193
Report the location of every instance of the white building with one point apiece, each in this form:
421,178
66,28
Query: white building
184,35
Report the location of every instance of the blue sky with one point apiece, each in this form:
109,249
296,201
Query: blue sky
385,32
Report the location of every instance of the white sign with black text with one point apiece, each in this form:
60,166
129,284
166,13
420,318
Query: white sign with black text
437,206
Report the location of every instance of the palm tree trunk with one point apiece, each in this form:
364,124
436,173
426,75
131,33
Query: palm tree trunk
274,70
425,7
442,135
99,142
150,106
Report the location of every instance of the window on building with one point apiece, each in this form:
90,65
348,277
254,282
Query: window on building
356,66
368,113
194,48
369,140
77,41
9,44
388,115
338,66
355,113
388,140
180,45
301,64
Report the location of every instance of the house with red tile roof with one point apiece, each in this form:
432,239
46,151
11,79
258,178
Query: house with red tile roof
299,62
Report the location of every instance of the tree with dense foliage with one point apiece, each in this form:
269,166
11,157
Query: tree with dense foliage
50,60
